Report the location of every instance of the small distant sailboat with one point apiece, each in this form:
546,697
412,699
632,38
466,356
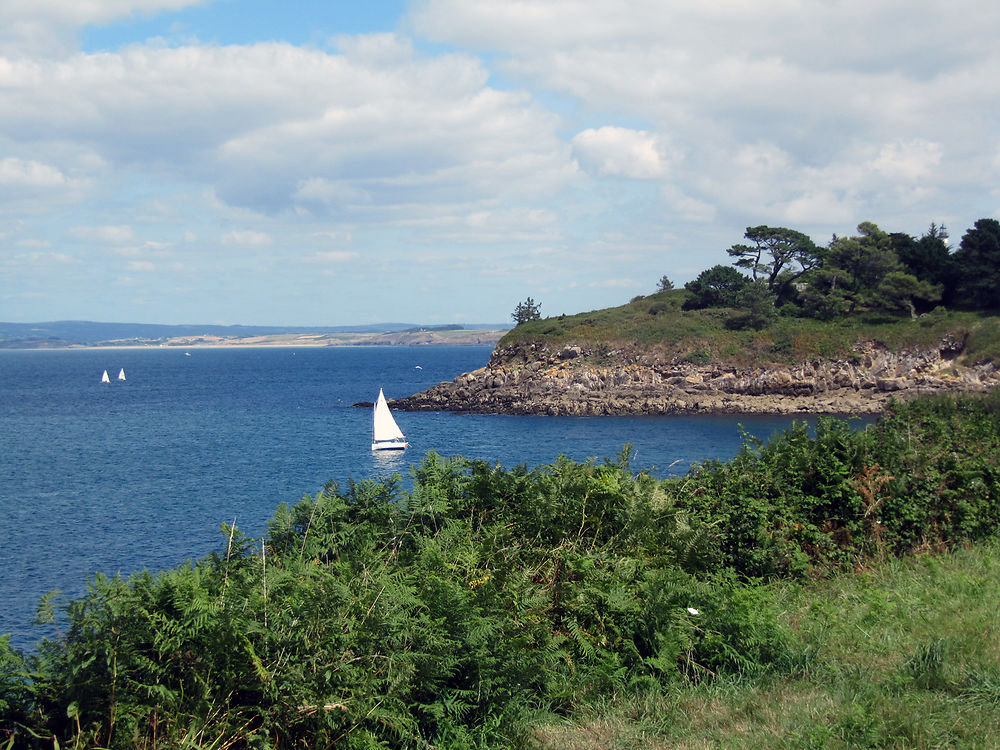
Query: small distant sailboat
386,434
121,374
105,378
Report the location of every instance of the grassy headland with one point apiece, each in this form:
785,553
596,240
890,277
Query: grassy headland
658,329
655,356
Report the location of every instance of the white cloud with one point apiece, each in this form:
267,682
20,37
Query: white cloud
687,207
329,192
44,259
616,283
22,173
50,26
331,256
34,242
29,186
760,97
654,132
141,265
621,152
147,248
270,125
476,225
908,161
818,206
111,235
762,158
81,12
246,237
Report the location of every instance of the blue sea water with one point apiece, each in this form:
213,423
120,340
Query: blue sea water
120,476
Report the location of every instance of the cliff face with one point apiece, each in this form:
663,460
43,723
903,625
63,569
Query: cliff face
573,381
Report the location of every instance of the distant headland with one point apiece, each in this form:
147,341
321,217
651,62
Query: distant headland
75,334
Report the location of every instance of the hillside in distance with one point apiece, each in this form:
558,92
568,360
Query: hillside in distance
76,333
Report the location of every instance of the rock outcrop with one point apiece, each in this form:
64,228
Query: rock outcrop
573,381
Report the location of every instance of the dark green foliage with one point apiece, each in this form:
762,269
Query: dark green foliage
13,690
903,291
757,307
978,264
926,477
778,257
929,260
526,311
852,271
370,617
719,286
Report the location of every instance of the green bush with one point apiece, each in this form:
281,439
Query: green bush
927,476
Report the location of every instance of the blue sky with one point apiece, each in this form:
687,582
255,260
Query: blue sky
243,22
329,163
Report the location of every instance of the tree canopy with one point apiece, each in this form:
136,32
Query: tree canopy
716,287
779,256
870,270
526,311
978,261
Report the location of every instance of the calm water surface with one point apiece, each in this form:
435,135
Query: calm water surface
116,477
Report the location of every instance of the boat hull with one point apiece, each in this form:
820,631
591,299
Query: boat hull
389,446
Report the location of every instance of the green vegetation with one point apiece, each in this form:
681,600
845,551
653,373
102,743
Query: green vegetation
802,302
779,257
526,311
872,270
658,328
447,327
903,654
488,607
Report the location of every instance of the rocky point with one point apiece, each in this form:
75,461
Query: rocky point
531,379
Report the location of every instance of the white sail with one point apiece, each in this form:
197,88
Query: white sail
121,374
385,431
105,378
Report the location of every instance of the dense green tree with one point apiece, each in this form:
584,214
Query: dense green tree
902,291
827,295
756,303
928,258
526,311
779,257
853,269
978,263
716,287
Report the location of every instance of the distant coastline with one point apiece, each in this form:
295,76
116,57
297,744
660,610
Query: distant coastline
76,335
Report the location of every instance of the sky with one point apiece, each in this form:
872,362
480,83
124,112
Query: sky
323,162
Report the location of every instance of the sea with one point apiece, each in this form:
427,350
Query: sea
140,473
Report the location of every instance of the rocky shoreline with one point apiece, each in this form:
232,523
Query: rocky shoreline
531,380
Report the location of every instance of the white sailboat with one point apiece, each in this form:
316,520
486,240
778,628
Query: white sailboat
386,434
105,378
121,374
